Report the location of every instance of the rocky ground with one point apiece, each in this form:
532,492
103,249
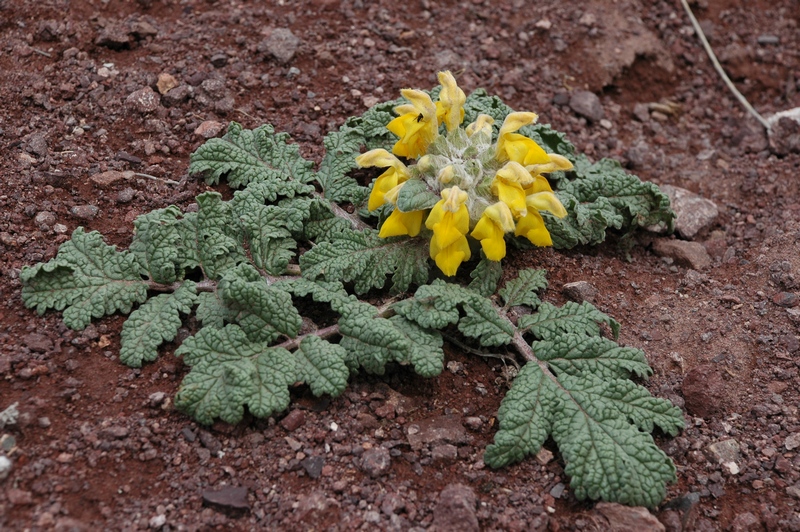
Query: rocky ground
101,103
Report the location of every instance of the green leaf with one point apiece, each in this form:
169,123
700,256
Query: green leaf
585,223
266,228
416,196
437,305
250,156
370,340
341,147
229,372
211,311
523,290
155,322
321,365
576,354
367,260
425,347
606,454
155,243
573,318
485,276
87,279
321,223
210,238
264,312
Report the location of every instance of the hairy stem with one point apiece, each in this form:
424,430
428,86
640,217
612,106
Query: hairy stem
355,222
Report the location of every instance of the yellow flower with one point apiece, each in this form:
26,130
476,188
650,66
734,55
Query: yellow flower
482,124
495,222
508,185
449,221
416,126
402,223
450,107
556,162
396,173
519,148
531,226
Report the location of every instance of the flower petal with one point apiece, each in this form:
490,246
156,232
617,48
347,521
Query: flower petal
452,99
546,201
402,223
448,259
532,227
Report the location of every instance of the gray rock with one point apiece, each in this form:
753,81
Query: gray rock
641,112
126,195
690,254
84,212
229,497
209,129
294,420
38,343
444,453
37,145
723,451
792,441
281,44
313,466
693,213
784,137
441,429
219,60
376,462
45,218
114,36
704,390
177,95
579,291
745,522
587,105
455,511
144,100
5,467
623,518
110,177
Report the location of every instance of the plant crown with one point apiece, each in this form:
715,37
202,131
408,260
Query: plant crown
248,267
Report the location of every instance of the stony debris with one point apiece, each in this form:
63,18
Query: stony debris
376,462
144,100
587,105
704,390
441,429
579,291
621,518
693,213
455,511
281,44
110,177
227,498
689,254
293,420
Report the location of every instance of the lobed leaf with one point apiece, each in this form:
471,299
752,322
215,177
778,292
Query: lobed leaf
263,312
321,365
522,290
485,276
367,260
416,196
229,372
341,149
573,318
371,341
597,430
577,354
155,322
425,347
437,305
155,244
87,279
250,156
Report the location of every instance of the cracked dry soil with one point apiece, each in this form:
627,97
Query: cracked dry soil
96,95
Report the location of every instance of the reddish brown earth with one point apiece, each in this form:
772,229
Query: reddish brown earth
97,445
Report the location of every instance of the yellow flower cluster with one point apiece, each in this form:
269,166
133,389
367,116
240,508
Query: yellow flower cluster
487,189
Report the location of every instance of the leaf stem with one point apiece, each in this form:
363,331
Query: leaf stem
355,222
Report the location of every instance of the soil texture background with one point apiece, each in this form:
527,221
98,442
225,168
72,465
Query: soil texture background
101,103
